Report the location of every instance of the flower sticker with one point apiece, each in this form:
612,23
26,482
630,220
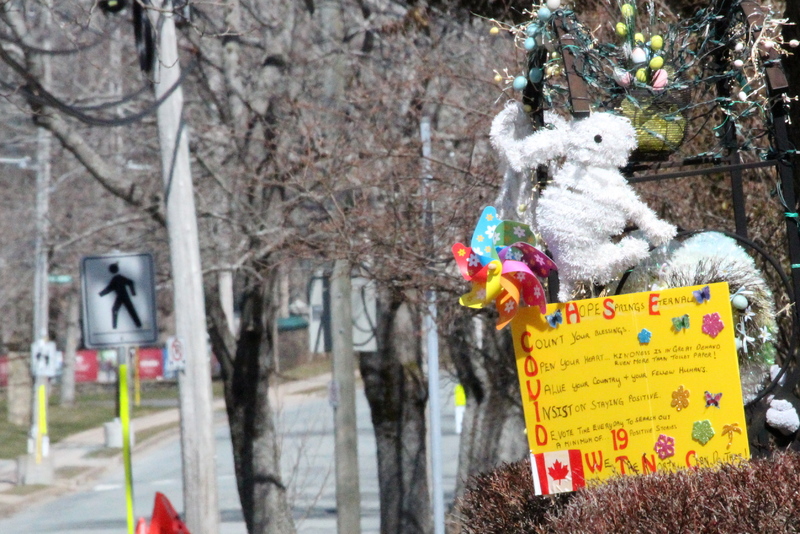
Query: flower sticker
712,324
644,336
702,431
680,398
730,430
665,446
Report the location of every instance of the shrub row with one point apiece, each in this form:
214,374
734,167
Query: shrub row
756,497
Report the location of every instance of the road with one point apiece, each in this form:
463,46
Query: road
306,434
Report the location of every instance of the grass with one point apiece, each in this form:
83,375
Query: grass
147,433
22,491
70,471
92,408
311,369
105,452
95,405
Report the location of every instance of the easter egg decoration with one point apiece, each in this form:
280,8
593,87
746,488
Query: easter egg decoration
641,75
657,62
622,29
529,44
659,80
544,13
656,42
740,302
535,75
552,5
520,82
622,77
638,55
627,10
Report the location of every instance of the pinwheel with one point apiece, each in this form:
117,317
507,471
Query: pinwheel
503,266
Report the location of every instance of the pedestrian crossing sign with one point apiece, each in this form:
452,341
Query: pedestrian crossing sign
118,300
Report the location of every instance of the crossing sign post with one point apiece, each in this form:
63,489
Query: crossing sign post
119,304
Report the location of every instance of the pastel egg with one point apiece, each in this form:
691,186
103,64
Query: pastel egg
627,10
739,47
656,42
530,44
641,75
535,75
638,55
738,63
498,78
622,77
544,13
740,302
638,37
520,82
794,43
657,62
532,30
553,4
494,30
622,29
742,96
660,79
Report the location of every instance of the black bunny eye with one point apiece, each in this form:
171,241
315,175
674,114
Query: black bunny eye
598,138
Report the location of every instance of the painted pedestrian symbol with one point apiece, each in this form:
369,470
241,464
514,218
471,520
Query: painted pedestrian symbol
119,285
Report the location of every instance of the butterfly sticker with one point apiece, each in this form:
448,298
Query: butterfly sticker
712,399
680,323
554,319
702,295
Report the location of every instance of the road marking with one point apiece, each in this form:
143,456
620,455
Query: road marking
106,487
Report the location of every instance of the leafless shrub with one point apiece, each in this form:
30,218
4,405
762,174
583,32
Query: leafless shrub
752,497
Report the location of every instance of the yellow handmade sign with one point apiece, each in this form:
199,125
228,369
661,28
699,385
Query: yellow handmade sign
629,384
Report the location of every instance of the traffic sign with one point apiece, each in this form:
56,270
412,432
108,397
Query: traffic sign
119,300
59,279
44,358
176,359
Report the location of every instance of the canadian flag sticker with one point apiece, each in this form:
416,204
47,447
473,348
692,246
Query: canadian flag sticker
557,471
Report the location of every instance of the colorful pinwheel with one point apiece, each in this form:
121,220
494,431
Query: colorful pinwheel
503,267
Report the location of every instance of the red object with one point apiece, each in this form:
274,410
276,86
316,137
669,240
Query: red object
558,471
151,364
141,526
165,519
3,370
86,366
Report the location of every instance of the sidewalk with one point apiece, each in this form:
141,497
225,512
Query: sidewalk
82,458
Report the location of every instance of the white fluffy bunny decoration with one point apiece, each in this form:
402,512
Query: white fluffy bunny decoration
588,201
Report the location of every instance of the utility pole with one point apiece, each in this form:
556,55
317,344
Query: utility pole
197,425
348,494
432,348
39,469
